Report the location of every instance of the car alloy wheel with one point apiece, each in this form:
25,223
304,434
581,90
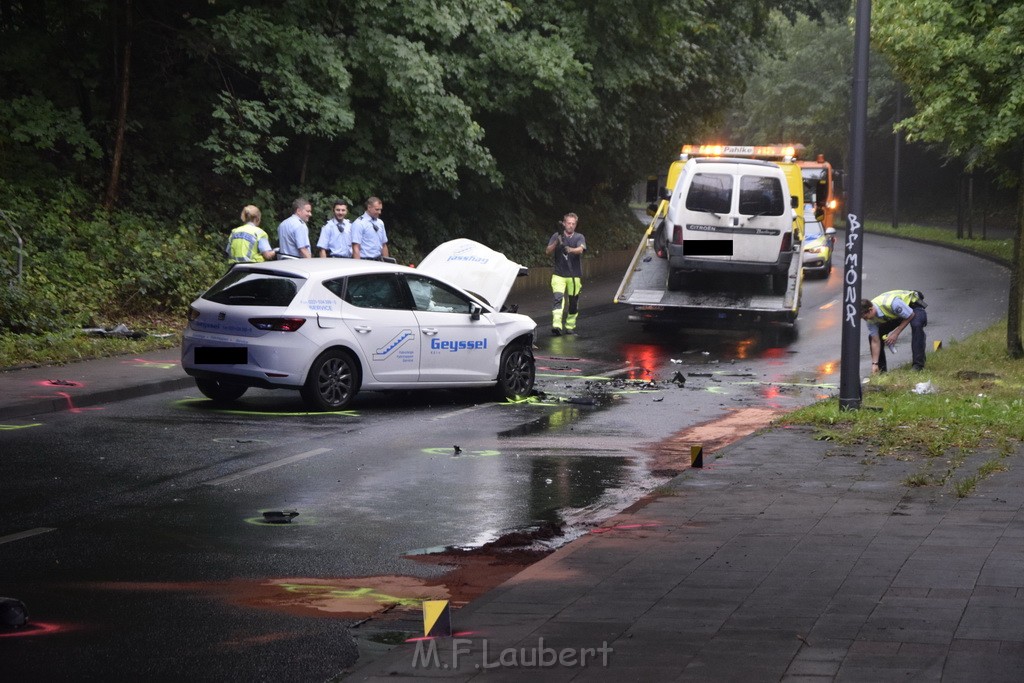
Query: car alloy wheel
332,382
517,372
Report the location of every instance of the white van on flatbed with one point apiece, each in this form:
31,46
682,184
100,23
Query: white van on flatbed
731,216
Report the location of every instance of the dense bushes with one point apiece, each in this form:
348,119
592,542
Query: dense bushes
89,267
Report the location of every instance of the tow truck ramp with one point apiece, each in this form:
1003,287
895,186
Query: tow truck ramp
704,300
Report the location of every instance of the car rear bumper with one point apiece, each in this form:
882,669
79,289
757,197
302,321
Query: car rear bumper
272,361
678,261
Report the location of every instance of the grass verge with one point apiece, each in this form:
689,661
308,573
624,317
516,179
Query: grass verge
978,402
1000,249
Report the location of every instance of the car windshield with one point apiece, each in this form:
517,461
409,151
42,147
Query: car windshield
813,230
244,287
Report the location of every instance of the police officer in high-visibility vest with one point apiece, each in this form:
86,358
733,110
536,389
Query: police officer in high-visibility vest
566,247
249,243
887,315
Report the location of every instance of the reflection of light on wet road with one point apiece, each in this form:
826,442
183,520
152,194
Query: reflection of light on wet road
743,348
775,355
827,368
642,360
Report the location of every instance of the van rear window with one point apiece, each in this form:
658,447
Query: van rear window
710,192
761,196
243,287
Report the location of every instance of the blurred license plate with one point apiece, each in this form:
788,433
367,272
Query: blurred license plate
221,355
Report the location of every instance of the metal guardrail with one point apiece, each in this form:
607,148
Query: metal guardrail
21,243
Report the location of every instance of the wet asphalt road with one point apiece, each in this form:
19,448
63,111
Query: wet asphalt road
155,563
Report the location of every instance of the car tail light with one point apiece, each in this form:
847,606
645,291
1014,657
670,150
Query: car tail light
677,234
193,313
277,324
787,242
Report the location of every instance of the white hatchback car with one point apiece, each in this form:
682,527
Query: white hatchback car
330,327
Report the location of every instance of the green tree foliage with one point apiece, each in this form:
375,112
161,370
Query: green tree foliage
800,89
479,118
962,63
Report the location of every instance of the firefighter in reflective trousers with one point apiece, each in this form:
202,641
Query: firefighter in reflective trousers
566,248
887,315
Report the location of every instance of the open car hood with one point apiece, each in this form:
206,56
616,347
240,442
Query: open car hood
475,268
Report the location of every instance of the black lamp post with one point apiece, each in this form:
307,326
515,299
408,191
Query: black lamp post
849,366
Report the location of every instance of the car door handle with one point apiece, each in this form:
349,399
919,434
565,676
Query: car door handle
429,331
363,329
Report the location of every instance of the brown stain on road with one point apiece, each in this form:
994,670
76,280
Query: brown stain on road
672,456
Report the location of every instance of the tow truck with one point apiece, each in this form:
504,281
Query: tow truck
822,188
714,300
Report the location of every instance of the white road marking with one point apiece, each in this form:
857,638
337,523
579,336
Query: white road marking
25,534
269,466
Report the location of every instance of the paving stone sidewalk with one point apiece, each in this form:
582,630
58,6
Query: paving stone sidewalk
784,559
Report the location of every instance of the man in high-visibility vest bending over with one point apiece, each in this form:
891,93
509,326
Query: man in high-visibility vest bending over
887,315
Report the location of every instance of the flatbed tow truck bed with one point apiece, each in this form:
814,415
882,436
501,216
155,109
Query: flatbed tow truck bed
705,300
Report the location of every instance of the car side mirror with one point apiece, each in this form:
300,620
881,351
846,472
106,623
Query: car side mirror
474,311
794,201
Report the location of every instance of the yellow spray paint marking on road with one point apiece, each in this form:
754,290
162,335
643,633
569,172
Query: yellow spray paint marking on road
336,593
204,402
6,428
159,365
525,400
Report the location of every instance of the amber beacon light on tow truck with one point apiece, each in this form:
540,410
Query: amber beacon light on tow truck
823,185
766,152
